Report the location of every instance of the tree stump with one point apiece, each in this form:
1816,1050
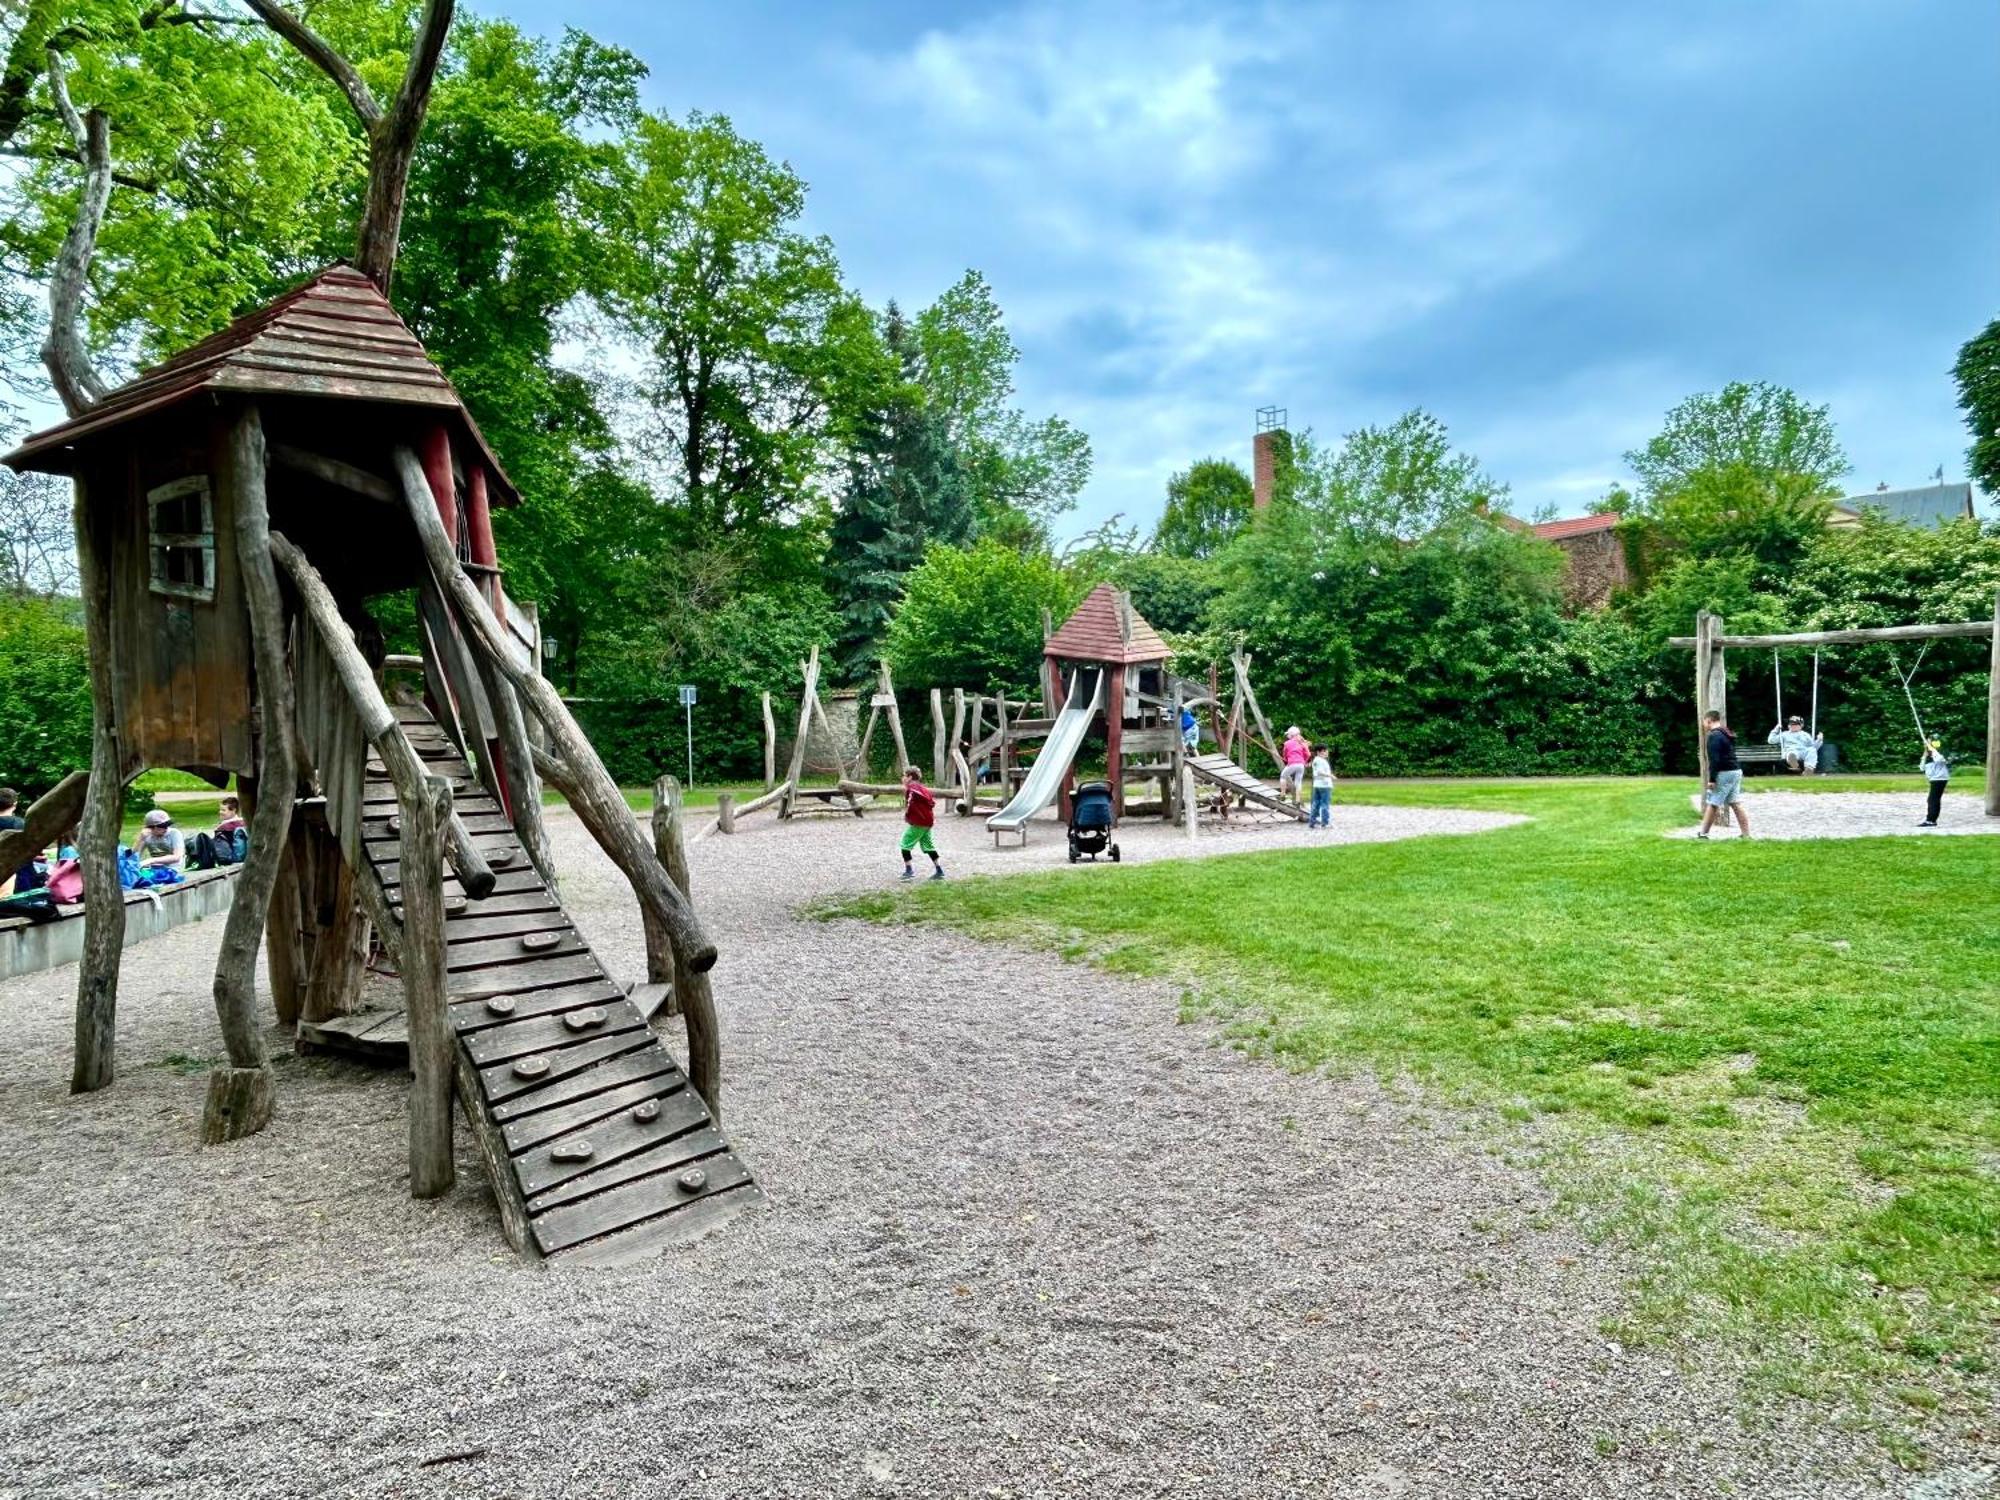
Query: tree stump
239,1104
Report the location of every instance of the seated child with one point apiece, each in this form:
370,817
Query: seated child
1800,748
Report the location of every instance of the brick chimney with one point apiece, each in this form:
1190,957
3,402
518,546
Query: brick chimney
1264,450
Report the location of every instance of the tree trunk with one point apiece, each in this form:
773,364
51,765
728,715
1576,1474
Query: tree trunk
692,991
103,807
277,781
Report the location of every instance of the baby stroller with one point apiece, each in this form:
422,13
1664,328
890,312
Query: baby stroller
1090,822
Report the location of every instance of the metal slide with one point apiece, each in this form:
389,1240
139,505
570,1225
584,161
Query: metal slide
1045,776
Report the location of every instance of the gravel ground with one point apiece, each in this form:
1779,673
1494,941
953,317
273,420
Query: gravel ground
1850,815
1028,1236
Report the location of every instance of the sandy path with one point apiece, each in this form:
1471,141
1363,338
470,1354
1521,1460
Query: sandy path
1028,1236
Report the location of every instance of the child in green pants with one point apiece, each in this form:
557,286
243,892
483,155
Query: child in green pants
919,814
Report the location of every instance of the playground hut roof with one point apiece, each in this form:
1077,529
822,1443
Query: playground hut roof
1106,628
336,336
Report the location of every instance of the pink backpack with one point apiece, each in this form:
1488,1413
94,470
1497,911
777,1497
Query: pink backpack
66,881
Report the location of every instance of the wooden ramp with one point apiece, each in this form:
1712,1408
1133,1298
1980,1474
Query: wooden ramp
597,1147
1220,770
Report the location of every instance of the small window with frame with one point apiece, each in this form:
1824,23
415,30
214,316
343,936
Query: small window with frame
180,530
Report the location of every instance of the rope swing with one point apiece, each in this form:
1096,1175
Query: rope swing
1778,691
1906,678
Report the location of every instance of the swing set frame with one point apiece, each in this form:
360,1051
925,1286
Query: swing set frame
1710,644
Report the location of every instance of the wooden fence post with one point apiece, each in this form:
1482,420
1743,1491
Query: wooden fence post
808,700
693,990
770,744
421,838
725,812
938,767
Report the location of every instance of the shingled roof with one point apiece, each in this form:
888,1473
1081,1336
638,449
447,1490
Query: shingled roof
1097,633
336,336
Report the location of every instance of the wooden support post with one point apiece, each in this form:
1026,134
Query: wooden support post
939,770
1114,738
1190,802
285,952
1993,718
807,700
956,739
770,745
1718,669
340,953
691,987
1702,649
239,1096
103,809
895,721
1003,756
421,841
725,812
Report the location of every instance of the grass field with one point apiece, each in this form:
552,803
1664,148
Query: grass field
1769,1070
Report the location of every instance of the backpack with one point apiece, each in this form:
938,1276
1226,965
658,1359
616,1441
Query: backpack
231,847
201,852
128,868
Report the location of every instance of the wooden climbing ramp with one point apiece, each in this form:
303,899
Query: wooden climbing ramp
598,1148
1220,770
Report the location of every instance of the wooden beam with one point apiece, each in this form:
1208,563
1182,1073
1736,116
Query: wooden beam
692,989
1961,630
356,481
895,720
53,814
939,769
809,670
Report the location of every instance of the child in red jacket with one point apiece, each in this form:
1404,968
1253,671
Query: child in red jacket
919,813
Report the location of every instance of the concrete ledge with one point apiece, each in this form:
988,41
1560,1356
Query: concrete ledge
29,947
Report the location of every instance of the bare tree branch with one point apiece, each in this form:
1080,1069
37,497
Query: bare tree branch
317,51
64,352
392,146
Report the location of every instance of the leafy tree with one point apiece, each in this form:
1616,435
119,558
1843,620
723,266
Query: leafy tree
1208,503
758,361
972,618
1762,433
965,362
1977,372
1173,594
1399,482
905,490
44,692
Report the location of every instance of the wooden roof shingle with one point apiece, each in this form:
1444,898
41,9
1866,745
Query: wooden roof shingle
336,336
1106,628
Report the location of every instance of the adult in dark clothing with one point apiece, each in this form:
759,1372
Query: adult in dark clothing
28,877
1725,777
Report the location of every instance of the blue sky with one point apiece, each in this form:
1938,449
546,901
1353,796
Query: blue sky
1544,223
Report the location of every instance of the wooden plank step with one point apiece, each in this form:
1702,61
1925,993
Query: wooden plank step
636,1202
636,1130
611,1073
515,905
654,1237
512,1039
474,925
517,979
377,1035
503,1082
525,1134
375,826
464,957
506,882
476,1015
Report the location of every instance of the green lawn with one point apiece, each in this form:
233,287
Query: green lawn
1771,1070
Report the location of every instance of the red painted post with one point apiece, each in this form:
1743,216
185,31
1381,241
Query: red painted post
435,451
479,536
1114,738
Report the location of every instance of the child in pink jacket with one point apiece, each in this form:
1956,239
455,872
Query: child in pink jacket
1295,754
